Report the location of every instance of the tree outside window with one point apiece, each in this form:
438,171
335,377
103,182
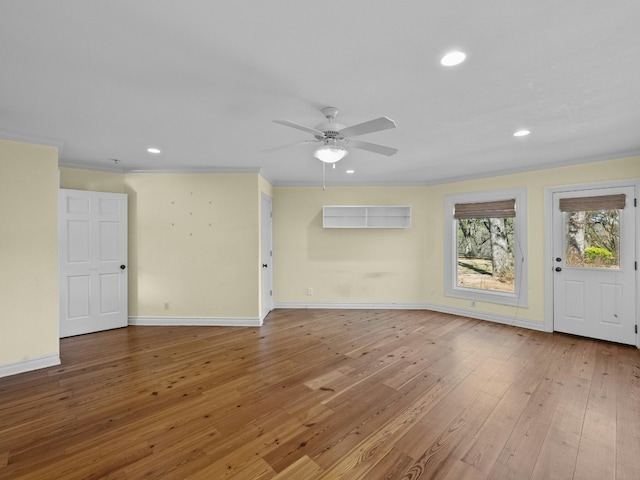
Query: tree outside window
485,253
485,246
592,230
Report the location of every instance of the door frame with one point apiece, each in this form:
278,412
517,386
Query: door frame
266,240
548,242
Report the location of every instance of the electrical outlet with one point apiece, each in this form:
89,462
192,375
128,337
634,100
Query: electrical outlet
309,291
432,292
166,305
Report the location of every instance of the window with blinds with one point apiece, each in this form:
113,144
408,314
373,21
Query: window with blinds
497,209
486,255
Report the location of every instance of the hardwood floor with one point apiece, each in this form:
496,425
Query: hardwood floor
327,394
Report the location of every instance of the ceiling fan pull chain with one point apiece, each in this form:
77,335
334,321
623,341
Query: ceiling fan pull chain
324,187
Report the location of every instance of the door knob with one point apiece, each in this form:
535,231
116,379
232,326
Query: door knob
264,265
558,259
558,269
122,267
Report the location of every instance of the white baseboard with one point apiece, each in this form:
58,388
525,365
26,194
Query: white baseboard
355,306
29,365
490,317
194,321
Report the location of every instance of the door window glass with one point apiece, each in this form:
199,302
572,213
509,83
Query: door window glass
592,238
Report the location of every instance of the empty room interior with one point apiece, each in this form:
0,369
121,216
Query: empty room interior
319,240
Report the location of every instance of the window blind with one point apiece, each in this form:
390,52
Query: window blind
590,204
496,209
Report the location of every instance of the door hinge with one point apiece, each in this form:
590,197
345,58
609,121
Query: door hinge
635,265
635,202
636,328
271,295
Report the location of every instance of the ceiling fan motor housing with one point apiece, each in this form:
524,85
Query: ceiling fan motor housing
330,130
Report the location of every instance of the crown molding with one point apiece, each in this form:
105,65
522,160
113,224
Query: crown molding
24,138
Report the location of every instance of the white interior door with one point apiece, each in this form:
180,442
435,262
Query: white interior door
267,254
93,261
594,263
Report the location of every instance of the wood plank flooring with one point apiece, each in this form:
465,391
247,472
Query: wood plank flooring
327,394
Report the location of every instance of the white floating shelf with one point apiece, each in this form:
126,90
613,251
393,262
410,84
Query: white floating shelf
366,216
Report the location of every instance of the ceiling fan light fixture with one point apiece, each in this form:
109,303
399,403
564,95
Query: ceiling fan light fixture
330,153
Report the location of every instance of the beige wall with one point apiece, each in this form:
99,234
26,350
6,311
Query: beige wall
405,266
349,265
194,244
194,241
28,252
92,180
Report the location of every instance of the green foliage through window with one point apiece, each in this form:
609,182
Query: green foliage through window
593,238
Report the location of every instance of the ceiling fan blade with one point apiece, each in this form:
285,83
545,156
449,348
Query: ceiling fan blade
281,147
372,147
304,128
382,123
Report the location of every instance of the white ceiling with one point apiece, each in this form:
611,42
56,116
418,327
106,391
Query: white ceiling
202,80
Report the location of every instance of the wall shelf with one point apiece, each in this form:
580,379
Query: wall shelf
366,216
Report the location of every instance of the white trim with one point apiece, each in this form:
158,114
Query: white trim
266,242
476,176
548,241
24,138
356,306
519,298
110,167
195,321
194,170
37,363
490,317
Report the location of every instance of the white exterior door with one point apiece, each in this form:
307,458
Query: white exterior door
93,261
594,263
266,250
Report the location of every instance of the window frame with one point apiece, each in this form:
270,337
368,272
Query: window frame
519,297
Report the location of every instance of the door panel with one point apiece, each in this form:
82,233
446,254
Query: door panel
266,249
109,234
574,299
110,293
78,241
78,296
611,296
93,248
594,267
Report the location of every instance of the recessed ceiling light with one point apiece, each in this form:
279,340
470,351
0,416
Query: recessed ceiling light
521,133
453,58
350,172
153,150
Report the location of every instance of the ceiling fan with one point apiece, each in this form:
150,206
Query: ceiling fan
334,138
